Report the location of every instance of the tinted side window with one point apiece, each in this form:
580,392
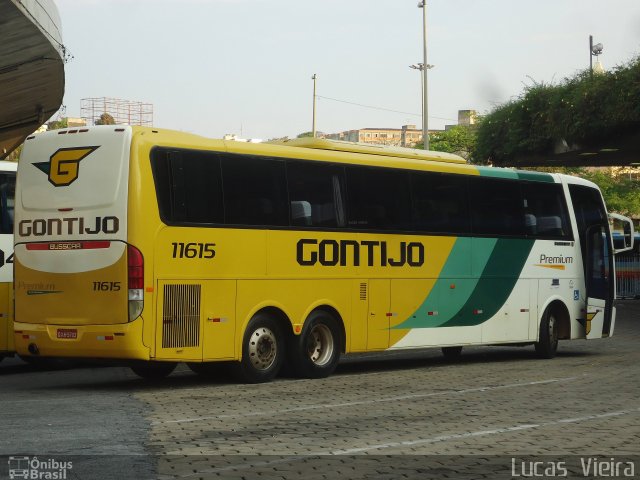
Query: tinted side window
440,203
545,210
315,193
255,191
378,199
188,186
496,207
7,196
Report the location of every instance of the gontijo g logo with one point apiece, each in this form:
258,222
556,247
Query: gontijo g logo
64,165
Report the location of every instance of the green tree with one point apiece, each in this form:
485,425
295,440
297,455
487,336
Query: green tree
58,124
621,193
105,119
15,155
305,134
459,139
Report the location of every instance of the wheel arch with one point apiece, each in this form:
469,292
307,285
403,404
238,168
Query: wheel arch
328,309
561,313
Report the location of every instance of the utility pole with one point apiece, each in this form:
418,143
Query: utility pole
425,101
313,124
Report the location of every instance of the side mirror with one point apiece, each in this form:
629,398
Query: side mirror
622,230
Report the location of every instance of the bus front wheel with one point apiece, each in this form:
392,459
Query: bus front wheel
316,351
262,350
547,345
154,370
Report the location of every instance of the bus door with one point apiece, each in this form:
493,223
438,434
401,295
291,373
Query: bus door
599,280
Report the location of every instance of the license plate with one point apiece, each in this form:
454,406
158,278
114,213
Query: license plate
67,333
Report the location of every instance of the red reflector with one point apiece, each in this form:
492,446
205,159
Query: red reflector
26,337
136,268
65,209
88,245
108,337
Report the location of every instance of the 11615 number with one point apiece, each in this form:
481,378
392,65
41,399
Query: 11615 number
193,250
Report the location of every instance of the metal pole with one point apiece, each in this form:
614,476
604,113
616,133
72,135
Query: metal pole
591,55
425,101
313,125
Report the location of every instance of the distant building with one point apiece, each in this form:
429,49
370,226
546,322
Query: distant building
76,122
71,122
407,136
235,138
466,118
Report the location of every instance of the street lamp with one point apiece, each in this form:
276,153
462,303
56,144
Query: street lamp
421,67
594,50
313,123
425,100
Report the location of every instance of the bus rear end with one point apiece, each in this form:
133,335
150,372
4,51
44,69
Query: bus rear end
78,283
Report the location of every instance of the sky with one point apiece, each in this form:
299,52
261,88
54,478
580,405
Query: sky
216,67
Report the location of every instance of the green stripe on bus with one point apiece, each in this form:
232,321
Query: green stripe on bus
496,283
498,172
457,299
444,302
536,177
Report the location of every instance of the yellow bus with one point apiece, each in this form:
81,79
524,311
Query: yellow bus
157,247
7,193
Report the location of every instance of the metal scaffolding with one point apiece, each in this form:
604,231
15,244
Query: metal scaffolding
124,112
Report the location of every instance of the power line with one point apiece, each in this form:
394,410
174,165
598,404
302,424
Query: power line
381,108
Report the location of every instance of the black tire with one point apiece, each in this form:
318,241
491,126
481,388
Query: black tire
263,351
316,351
452,353
547,345
153,370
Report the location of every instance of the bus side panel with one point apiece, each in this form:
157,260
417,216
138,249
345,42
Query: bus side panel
6,293
196,320
511,322
6,318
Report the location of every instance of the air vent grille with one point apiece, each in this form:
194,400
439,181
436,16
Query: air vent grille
181,316
363,291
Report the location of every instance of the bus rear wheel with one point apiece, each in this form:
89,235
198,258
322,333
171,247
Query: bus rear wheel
262,350
547,345
316,351
154,370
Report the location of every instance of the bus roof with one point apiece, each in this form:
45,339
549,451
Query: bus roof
386,150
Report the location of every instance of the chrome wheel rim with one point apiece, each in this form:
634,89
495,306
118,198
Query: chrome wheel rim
553,334
320,345
263,348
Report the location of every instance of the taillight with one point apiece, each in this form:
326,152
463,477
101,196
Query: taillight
135,264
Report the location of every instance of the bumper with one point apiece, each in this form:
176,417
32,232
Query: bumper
121,341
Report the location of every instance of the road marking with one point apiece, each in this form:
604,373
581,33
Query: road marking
405,443
479,433
395,398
